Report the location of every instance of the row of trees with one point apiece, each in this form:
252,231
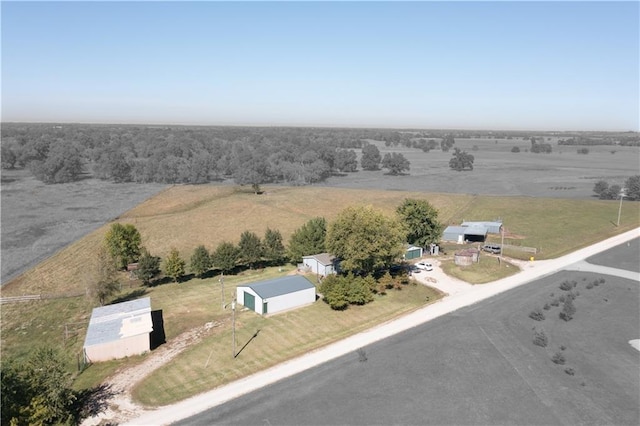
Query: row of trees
57,154
605,191
363,238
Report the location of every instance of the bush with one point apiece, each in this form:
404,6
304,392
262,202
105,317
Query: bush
540,339
537,315
568,310
584,151
589,286
546,307
515,149
563,347
558,358
566,285
555,302
341,291
601,280
570,371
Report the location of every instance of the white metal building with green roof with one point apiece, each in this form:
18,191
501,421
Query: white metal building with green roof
276,295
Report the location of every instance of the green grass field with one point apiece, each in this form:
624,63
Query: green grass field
186,216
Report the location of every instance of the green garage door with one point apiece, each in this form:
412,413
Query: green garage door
249,301
412,254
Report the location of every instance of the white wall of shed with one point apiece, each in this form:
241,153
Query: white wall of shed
289,301
130,346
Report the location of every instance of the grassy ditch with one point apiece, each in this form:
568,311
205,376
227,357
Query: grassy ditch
487,270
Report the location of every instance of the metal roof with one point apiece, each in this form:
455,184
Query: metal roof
114,322
324,259
280,286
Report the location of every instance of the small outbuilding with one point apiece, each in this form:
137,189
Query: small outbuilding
322,264
466,257
119,330
276,295
412,252
471,231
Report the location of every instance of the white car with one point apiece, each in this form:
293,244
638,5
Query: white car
425,266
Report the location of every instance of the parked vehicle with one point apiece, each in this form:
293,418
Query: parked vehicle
491,248
425,266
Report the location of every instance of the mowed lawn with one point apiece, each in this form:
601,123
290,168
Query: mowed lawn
186,216
262,342
475,366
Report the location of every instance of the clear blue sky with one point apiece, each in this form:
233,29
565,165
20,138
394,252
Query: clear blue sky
477,65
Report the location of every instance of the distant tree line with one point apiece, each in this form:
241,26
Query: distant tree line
623,140
297,156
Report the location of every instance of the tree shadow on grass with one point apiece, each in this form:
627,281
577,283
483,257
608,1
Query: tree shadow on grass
93,401
132,295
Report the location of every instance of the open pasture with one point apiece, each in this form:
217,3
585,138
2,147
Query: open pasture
497,171
475,366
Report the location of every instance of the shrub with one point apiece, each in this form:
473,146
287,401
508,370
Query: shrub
568,310
563,347
558,358
562,298
601,280
537,315
546,307
589,286
515,149
596,283
540,339
566,285
584,151
570,371
555,302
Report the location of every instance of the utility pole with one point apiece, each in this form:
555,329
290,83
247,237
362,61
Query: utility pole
233,322
502,242
622,195
222,289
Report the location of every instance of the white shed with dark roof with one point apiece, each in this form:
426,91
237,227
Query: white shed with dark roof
276,295
119,330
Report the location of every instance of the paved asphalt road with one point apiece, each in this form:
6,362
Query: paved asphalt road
388,387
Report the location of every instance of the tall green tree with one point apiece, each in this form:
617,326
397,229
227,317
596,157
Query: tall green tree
632,187
370,157
200,261
461,160
396,163
273,247
174,265
37,391
365,239
308,239
447,142
346,160
105,282
226,256
148,267
420,220
250,248
123,242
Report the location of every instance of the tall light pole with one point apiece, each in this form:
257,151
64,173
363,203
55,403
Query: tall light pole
622,195
222,289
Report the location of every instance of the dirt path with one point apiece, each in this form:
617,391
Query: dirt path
120,405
